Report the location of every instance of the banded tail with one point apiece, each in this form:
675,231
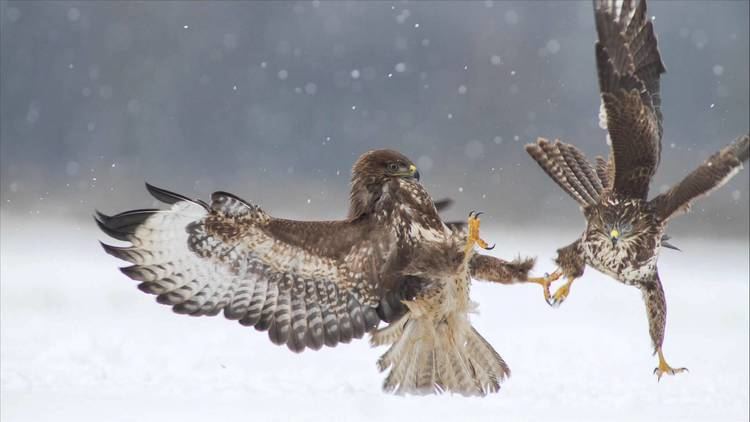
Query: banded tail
568,167
429,356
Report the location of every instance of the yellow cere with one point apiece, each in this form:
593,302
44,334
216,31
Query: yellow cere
615,234
412,169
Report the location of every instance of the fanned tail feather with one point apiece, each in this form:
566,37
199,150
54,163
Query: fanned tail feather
568,167
428,356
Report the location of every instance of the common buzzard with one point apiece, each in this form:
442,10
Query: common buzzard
320,283
625,229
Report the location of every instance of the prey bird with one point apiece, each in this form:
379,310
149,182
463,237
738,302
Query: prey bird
625,230
311,284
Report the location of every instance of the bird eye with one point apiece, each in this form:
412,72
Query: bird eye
626,227
393,167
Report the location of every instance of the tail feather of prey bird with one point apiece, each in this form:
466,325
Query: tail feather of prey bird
625,229
311,284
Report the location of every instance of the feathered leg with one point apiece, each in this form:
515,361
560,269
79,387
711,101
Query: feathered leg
656,309
496,270
571,263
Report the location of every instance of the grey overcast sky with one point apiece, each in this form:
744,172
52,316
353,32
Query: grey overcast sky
274,101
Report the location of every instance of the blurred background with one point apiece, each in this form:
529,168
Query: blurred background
275,100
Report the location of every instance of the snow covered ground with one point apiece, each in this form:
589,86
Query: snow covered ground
79,342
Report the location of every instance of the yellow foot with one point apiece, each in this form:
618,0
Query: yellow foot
545,282
473,235
664,368
561,294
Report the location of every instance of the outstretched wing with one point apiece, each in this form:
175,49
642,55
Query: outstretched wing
712,174
629,67
306,283
568,167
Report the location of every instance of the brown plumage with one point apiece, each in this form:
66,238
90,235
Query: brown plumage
311,284
625,229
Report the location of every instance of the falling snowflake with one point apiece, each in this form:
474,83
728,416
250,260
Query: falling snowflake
511,17
553,46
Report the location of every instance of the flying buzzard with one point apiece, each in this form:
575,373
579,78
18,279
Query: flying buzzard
316,283
625,230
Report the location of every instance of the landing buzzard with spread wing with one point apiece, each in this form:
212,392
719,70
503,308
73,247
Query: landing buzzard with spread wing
625,229
311,284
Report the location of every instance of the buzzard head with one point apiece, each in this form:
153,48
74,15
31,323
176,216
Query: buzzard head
619,222
376,172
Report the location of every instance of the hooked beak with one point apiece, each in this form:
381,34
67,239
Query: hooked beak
413,172
614,236
408,173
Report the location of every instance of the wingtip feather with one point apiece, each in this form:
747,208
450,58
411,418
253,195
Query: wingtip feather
742,148
164,195
109,231
443,204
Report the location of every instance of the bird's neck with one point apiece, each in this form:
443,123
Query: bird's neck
396,198
364,195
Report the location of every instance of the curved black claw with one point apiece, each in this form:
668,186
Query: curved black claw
549,299
472,213
659,372
558,297
489,248
554,302
476,215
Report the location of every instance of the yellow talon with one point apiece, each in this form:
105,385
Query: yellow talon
545,282
473,234
561,294
664,367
